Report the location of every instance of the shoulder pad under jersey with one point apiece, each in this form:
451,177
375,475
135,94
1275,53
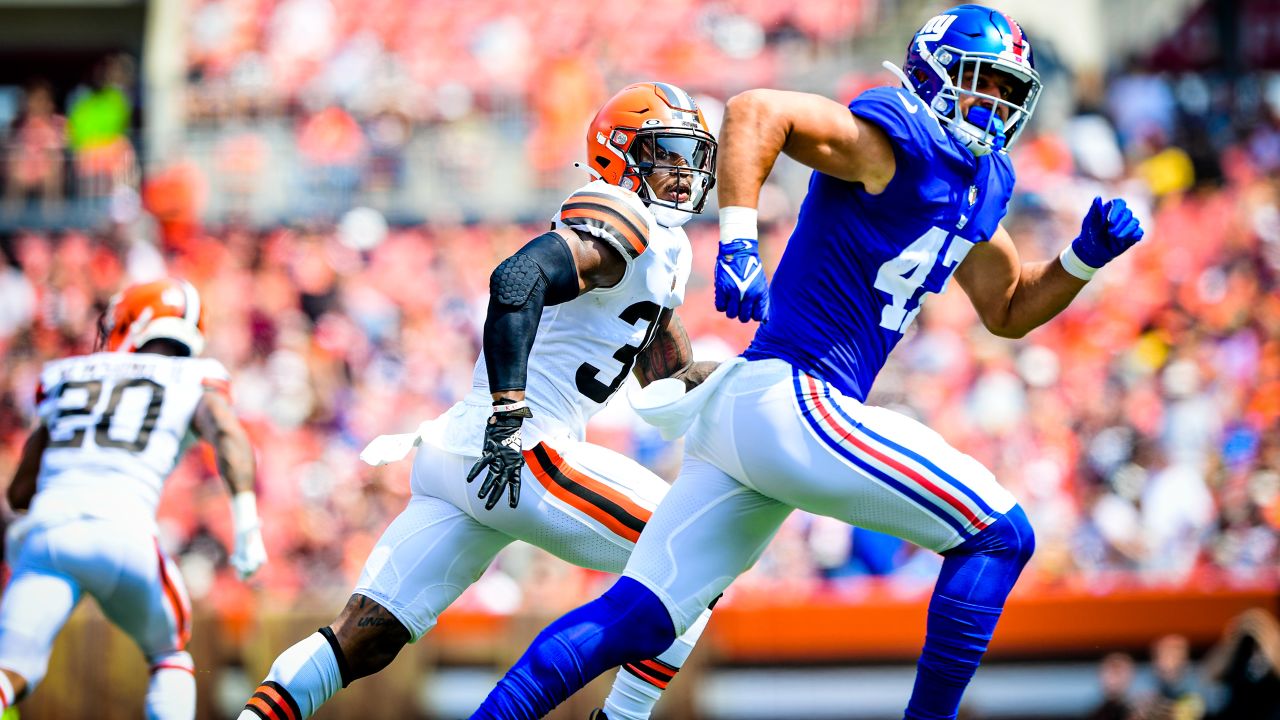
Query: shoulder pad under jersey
905,118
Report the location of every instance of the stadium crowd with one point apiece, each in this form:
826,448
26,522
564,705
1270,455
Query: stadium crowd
1141,430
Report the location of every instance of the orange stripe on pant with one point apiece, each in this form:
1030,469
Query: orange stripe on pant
180,613
625,518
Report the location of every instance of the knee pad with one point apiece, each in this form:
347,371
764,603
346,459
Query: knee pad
1018,535
1010,537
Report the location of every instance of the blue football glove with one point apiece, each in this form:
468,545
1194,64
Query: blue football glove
742,291
1107,231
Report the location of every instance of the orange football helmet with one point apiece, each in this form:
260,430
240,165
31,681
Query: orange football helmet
652,139
164,309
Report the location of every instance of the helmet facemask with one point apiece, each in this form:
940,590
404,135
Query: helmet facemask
673,170
982,130
950,56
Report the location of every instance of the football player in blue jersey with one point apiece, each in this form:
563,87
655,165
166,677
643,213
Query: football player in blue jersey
909,187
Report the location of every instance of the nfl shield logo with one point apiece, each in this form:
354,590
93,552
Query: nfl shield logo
973,194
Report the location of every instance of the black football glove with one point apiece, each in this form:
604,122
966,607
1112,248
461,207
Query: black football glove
502,454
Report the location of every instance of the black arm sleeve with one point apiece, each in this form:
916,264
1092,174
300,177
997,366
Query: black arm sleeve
541,273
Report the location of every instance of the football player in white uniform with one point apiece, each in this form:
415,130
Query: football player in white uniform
113,425
570,315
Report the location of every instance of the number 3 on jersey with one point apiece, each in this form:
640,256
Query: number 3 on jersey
903,276
587,377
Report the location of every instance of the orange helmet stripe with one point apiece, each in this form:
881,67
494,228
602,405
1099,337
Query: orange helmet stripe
675,97
191,309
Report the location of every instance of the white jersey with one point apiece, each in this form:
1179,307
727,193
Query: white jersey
118,424
585,348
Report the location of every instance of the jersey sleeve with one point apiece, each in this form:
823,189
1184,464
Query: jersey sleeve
911,127
46,392
214,377
606,212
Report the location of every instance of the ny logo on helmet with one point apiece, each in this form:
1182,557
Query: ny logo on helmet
936,27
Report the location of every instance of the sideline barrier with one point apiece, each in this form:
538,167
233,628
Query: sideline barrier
97,673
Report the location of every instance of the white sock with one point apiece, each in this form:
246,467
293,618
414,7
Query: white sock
172,692
638,686
300,680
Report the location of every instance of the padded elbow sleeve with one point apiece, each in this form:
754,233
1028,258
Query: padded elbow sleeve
541,273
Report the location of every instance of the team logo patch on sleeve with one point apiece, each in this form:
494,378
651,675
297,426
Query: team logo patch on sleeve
609,219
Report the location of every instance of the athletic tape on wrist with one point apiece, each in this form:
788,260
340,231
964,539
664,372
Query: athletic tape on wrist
244,511
1075,266
511,406
738,223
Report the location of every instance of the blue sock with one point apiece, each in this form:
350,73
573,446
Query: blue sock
626,624
976,578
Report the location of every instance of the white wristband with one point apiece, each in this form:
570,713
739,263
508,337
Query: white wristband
244,511
738,223
1075,266
511,406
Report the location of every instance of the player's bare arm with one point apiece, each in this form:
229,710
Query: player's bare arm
758,126
1014,297
670,356
215,421
811,129
23,487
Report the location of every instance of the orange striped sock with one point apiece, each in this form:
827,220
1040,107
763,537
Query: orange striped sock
271,701
300,680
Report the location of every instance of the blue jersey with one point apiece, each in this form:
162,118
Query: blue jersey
858,266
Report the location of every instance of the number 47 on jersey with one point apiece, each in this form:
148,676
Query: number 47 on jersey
903,276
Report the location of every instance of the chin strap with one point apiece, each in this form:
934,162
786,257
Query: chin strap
898,73
967,133
669,217
595,175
